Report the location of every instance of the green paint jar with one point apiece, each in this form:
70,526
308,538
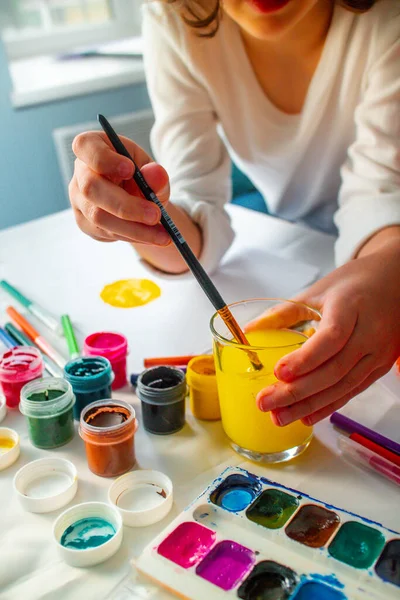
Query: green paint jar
91,378
48,406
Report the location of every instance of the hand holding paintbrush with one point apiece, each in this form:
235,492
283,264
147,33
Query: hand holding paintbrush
183,248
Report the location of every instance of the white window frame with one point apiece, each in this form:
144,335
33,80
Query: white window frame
126,23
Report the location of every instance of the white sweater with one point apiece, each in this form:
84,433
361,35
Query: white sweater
338,162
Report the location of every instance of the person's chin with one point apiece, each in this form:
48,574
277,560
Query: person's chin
267,19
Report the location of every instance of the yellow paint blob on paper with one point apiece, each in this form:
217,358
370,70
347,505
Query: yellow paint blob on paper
6,444
128,293
239,384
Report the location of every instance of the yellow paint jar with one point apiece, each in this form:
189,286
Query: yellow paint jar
252,433
203,391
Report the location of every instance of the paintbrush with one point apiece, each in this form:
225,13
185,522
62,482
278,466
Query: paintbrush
183,248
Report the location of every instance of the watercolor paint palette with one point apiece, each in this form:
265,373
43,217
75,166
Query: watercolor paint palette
251,538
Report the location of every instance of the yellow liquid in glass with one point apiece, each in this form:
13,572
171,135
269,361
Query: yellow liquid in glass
239,384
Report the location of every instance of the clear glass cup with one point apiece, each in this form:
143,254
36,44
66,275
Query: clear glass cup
286,326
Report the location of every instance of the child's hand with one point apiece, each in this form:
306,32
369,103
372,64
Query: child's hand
357,341
106,201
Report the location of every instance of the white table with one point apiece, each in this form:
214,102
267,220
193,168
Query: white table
64,270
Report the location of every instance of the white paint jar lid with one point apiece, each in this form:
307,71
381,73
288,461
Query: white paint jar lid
8,457
3,407
88,557
46,484
142,497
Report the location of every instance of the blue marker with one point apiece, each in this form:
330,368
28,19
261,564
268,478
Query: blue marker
7,340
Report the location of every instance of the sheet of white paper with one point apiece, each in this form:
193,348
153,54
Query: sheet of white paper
71,270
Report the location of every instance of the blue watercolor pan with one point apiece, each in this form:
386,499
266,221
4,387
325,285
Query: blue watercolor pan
259,540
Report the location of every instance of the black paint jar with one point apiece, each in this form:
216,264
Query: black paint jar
162,392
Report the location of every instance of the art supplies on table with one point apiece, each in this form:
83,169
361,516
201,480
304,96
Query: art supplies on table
22,340
38,311
249,537
350,426
35,336
69,335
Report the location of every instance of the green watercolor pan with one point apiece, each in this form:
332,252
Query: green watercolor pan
251,538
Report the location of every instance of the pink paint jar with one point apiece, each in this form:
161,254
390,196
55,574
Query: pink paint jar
113,346
18,366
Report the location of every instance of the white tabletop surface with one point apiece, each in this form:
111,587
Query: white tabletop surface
63,270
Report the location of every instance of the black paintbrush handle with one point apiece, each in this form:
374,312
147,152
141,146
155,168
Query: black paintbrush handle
184,249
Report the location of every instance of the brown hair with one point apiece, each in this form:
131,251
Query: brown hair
205,15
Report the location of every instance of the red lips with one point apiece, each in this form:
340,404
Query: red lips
268,6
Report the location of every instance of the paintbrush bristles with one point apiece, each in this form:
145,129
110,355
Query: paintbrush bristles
239,335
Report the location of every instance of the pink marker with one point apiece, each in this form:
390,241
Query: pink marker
368,459
35,336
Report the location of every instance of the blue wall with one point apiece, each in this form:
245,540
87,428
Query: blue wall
30,181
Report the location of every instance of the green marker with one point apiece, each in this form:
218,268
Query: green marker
23,340
69,335
40,313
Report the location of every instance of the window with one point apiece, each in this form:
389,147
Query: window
33,27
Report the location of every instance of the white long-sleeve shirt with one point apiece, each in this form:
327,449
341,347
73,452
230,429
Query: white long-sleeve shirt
336,163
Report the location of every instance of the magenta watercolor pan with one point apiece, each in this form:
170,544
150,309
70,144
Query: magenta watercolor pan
248,537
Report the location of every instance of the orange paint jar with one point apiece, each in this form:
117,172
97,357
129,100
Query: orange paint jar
108,429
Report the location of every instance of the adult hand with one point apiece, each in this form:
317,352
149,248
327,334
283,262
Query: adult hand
357,341
107,203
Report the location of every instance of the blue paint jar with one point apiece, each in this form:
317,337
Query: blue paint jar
91,378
